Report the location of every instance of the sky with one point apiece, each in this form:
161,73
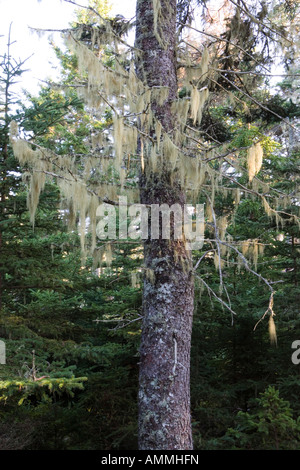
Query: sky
45,14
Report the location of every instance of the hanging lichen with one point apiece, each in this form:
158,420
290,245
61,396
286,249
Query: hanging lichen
272,331
245,247
159,94
158,129
269,211
156,17
92,210
154,158
222,226
130,139
150,275
37,184
118,139
195,103
255,254
108,254
36,159
198,98
254,160
180,109
204,65
135,279
237,196
170,151
209,213
23,151
218,261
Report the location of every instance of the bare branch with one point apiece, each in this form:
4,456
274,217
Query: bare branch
216,296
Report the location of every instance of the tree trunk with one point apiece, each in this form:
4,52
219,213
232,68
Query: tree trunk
168,295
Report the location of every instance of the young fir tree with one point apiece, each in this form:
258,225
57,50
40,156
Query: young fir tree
157,91
269,426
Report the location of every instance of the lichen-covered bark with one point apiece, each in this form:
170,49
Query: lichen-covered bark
164,388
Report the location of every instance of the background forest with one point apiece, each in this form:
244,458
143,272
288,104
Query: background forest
72,327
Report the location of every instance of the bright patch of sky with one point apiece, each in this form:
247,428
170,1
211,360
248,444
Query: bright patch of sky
44,14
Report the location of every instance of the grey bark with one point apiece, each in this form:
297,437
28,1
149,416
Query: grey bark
168,293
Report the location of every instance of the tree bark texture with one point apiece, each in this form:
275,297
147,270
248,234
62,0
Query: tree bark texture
168,292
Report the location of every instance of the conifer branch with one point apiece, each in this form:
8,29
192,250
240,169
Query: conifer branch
265,108
256,20
219,39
